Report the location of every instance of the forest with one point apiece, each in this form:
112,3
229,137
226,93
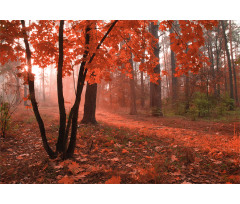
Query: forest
120,101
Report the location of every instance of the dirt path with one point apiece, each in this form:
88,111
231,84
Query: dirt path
208,136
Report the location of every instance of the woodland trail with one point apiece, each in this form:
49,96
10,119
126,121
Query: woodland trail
209,136
137,149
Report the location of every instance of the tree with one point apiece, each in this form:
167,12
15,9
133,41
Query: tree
155,88
96,54
90,104
73,116
228,59
174,78
233,64
133,107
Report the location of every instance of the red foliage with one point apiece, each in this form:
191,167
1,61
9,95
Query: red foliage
133,36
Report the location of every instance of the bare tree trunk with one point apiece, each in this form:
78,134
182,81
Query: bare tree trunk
133,109
225,72
110,95
155,89
174,79
142,91
74,84
218,62
43,84
166,68
18,96
90,104
99,90
61,106
210,55
233,66
122,90
186,93
25,95
228,59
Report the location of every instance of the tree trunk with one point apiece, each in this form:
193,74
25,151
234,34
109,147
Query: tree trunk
73,116
18,96
43,84
211,58
225,72
25,94
186,93
142,91
155,89
174,79
233,66
32,96
166,67
74,84
133,108
90,104
50,82
61,106
218,62
228,60
110,94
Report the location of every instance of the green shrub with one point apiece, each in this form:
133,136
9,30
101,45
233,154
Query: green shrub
227,102
179,108
200,106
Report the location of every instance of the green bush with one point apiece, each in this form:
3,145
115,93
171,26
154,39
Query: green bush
227,102
200,106
179,108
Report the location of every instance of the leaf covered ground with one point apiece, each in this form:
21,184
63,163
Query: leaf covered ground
124,149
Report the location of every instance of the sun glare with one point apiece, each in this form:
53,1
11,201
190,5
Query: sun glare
36,70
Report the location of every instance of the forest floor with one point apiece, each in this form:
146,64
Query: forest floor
123,149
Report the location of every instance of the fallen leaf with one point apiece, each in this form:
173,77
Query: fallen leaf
19,157
217,162
235,178
174,158
93,168
117,145
74,167
80,176
40,180
185,182
125,151
177,179
58,167
177,173
66,180
83,160
114,159
114,180
46,165
233,160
